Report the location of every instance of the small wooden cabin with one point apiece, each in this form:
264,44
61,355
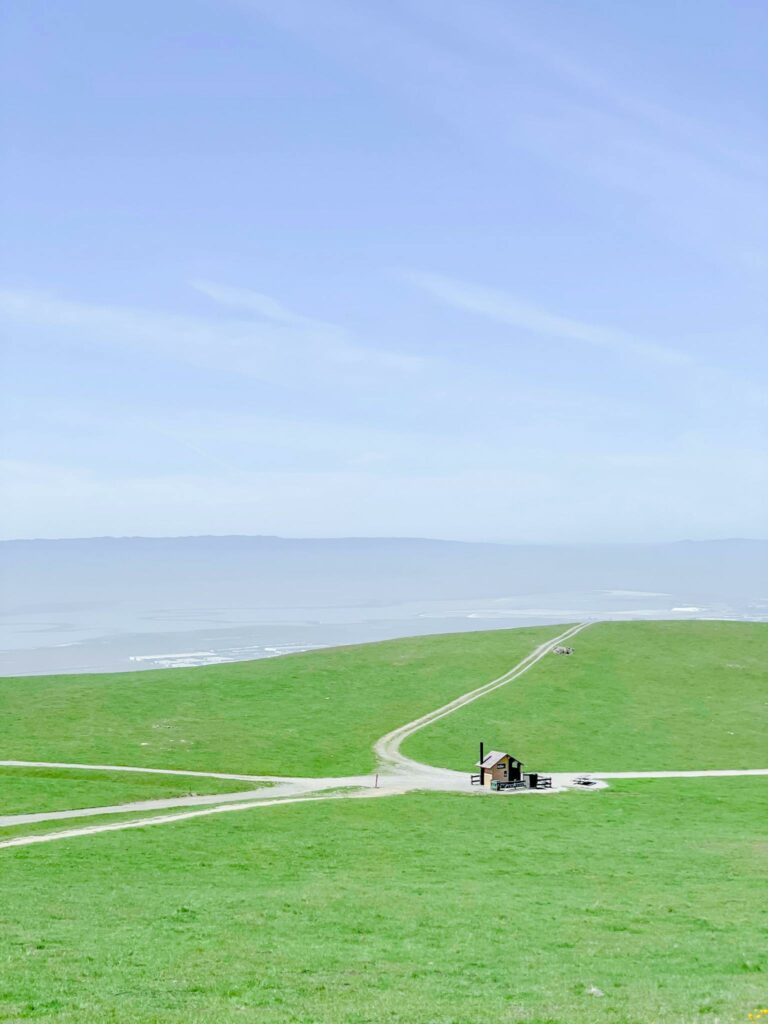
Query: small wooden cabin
498,766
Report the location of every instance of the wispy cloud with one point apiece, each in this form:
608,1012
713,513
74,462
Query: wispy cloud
339,343
261,305
271,343
507,309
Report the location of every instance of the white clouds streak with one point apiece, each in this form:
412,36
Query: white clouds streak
338,343
261,305
506,309
274,345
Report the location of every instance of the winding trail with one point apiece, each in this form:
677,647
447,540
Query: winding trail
387,749
397,774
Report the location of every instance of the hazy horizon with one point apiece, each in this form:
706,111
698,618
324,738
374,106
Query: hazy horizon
115,604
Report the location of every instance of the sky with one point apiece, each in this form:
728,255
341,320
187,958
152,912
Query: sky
486,271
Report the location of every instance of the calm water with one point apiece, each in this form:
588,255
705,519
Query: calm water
111,636
117,604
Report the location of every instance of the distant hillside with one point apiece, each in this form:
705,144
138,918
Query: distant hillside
274,572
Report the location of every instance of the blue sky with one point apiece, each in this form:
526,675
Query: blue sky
487,270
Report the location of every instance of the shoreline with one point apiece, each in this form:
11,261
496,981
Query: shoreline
111,655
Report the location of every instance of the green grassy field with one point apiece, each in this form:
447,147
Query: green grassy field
416,909
28,790
638,696
419,909
308,714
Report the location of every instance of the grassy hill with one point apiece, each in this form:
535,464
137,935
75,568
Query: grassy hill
635,696
308,714
634,904
639,695
432,909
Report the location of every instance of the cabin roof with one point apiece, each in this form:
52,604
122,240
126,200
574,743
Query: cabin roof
494,757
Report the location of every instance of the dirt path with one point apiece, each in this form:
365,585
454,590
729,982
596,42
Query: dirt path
387,749
165,819
144,771
163,804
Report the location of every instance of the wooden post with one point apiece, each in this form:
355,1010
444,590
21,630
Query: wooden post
482,770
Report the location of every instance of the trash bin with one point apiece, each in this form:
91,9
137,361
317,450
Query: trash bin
533,780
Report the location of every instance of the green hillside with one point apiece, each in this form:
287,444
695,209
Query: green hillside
307,714
634,696
639,695
432,909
